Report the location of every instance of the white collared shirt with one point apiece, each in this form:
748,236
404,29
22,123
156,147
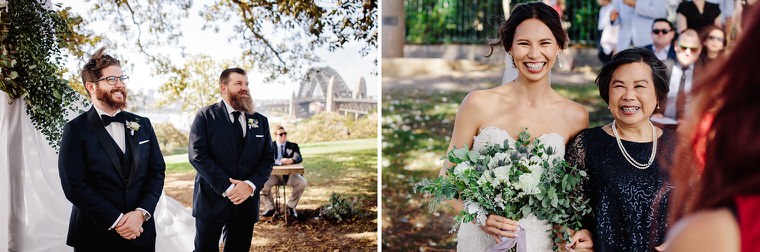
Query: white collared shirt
241,118
675,81
115,129
662,54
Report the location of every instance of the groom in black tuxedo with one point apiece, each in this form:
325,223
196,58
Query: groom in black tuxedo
110,166
230,147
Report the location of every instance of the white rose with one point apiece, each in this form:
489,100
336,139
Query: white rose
460,168
502,174
528,183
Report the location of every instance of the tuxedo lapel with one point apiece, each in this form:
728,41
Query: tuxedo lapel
226,124
134,147
104,139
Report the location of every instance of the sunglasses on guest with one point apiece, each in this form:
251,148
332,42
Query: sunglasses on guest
686,48
283,134
661,31
716,39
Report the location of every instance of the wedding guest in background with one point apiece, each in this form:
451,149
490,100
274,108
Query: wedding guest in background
714,42
608,32
286,153
697,14
636,18
663,34
718,186
688,48
111,167
626,160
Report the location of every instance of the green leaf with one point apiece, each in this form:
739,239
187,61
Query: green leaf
13,75
473,155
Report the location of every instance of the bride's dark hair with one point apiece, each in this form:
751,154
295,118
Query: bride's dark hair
525,11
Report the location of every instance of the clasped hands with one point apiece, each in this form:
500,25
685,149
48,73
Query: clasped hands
130,225
498,226
240,192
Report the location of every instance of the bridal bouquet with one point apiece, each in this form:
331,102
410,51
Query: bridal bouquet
512,179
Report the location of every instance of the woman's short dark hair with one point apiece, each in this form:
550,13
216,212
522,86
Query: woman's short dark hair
660,75
525,11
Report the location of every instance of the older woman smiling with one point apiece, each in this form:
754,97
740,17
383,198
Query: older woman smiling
626,159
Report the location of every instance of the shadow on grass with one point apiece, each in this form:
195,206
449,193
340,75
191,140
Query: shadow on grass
416,130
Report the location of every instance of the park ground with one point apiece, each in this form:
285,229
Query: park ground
348,168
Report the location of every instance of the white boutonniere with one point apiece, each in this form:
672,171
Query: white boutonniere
289,151
134,126
253,123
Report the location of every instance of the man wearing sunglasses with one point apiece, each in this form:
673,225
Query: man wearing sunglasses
286,153
663,33
688,48
110,166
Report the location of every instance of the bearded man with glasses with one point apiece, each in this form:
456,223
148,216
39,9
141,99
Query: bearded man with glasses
110,166
286,153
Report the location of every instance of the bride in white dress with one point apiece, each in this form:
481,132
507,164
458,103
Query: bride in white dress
533,36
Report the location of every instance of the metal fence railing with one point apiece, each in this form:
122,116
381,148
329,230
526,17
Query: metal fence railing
475,22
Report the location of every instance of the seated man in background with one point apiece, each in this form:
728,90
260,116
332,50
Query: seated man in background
286,153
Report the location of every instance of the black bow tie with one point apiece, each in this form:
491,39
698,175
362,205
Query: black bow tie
119,117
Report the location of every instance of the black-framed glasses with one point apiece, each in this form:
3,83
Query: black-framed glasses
716,38
283,134
660,31
112,79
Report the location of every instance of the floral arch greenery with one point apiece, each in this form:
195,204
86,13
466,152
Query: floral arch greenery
33,36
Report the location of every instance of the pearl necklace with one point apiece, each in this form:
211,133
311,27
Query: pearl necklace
628,156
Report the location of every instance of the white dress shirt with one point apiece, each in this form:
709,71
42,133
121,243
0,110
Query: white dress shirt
241,118
675,81
662,54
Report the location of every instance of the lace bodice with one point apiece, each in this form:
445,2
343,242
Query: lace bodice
493,135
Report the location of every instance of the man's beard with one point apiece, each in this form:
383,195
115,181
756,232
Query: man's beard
106,97
241,101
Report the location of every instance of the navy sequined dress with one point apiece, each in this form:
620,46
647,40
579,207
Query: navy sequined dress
624,214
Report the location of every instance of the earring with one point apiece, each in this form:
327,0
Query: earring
608,107
513,60
658,106
559,60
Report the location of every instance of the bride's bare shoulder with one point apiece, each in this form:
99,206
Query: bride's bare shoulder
480,98
575,114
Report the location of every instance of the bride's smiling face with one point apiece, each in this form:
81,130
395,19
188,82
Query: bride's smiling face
534,49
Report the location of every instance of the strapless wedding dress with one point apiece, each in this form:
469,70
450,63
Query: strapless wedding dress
471,238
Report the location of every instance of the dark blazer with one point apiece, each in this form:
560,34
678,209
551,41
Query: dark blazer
217,158
93,180
291,151
671,52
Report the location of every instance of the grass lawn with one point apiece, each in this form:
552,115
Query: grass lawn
345,167
416,130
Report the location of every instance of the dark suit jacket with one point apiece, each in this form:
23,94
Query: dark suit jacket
671,52
291,151
93,180
217,158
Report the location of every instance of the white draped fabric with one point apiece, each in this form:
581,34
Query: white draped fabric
34,213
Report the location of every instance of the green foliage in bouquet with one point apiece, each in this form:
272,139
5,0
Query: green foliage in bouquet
512,179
